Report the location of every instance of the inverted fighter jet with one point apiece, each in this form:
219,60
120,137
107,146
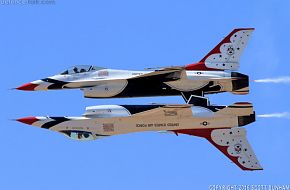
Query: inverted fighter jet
220,125
212,74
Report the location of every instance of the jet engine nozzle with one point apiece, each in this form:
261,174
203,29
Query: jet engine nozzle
241,84
246,119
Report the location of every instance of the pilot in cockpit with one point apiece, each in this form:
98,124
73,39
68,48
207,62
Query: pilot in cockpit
75,70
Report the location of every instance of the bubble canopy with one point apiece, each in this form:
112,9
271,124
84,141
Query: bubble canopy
81,69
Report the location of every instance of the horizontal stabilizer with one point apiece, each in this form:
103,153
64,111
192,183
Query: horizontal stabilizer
237,109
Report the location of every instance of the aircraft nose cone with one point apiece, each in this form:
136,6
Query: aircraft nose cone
28,120
27,87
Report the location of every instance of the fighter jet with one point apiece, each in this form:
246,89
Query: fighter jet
220,125
212,74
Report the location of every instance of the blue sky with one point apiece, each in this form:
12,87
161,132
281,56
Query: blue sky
41,40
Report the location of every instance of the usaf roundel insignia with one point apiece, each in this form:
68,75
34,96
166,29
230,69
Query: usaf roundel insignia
230,50
238,148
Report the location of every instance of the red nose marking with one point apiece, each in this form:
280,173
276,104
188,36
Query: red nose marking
27,87
28,120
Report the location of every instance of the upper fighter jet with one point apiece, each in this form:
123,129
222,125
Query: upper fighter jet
212,74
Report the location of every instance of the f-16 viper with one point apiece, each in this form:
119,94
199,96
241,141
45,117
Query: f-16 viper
220,125
212,74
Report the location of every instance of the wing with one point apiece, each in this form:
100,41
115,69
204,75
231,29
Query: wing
231,142
169,73
162,74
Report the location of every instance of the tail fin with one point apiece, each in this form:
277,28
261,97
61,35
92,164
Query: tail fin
226,55
232,143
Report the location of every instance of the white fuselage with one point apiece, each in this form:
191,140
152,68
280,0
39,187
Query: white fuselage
124,83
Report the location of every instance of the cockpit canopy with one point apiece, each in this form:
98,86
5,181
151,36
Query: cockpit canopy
79,135
81,69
